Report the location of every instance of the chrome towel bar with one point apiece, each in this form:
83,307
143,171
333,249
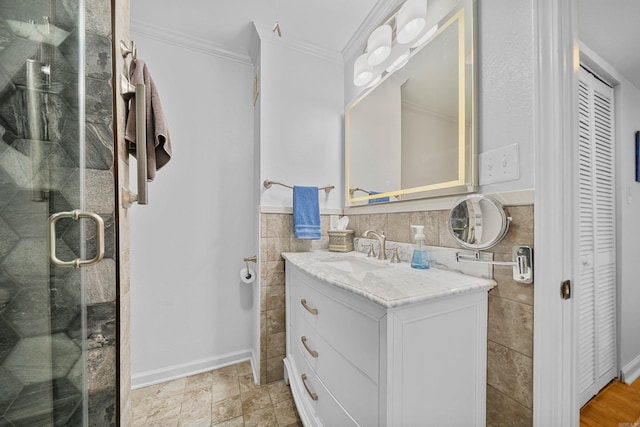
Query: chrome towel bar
139,90
141,152
353,190
268,183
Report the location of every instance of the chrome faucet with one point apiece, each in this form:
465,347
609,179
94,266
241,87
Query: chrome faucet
381,238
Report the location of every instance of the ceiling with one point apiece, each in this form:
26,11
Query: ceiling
328,24
611,28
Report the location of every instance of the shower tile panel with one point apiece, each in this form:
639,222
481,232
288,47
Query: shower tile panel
8,290
13,55
33,405
10,388
8,238
36,298
8,339
39,310
100,189
95,277
27,262
101,325
26,225
101,369
102,408
98,146
98,101
7,188
97,57
32,359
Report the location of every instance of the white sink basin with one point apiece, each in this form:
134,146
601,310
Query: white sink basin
353,264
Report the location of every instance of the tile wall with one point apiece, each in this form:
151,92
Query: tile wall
40,306
510,329
276,236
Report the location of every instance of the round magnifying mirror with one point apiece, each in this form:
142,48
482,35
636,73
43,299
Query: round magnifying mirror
478,222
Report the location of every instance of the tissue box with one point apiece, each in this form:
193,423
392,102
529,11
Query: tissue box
340,240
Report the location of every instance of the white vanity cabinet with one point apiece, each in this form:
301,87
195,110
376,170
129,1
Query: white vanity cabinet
352,361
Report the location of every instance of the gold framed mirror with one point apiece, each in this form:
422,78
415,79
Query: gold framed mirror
413,135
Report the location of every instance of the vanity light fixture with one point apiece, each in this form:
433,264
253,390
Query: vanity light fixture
362,71
379,45
388,47
399,63
375,81
427,36
410,20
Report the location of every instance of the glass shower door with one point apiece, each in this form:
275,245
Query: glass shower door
42,315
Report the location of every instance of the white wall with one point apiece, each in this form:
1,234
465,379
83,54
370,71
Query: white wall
189,309
628,104
506,98
301,121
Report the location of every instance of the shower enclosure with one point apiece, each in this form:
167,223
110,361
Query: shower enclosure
58,352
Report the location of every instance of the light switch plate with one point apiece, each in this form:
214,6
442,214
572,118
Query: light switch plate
500,165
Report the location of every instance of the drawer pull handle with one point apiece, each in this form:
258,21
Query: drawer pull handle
313,311
311,352
304,381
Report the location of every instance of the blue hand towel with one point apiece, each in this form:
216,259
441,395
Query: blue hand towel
306,213
378,199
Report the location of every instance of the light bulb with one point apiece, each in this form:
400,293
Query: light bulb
362,71
399,63
410,20
379,45
375,81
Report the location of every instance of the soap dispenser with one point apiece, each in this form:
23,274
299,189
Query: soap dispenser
419,259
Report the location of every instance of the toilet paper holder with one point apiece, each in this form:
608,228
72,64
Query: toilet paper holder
246,263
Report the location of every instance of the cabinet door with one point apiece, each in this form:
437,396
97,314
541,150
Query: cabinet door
439,363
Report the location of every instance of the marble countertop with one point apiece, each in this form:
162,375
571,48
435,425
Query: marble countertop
389,285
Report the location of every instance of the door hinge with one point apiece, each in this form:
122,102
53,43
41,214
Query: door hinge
565,289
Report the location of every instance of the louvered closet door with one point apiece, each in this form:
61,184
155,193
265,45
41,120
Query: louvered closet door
595,288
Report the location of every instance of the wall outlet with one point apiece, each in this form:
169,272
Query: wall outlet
500,165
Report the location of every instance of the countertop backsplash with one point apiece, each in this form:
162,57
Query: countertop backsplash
439,257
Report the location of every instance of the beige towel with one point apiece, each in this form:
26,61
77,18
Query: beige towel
158,140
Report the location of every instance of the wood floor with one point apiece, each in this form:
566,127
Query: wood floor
617,405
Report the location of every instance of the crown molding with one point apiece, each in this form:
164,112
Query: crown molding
207,47
308,49
186,41
380,11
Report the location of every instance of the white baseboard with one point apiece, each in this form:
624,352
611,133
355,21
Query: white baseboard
255,367
631,371
181,370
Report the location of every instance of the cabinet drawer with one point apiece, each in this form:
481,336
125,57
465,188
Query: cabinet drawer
350,332
355,391
325,407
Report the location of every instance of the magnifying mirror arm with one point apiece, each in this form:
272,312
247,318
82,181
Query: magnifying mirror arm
476,258
522,262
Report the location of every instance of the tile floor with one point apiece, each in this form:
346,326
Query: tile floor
226,397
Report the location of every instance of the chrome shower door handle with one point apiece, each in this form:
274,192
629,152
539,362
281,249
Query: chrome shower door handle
76,215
